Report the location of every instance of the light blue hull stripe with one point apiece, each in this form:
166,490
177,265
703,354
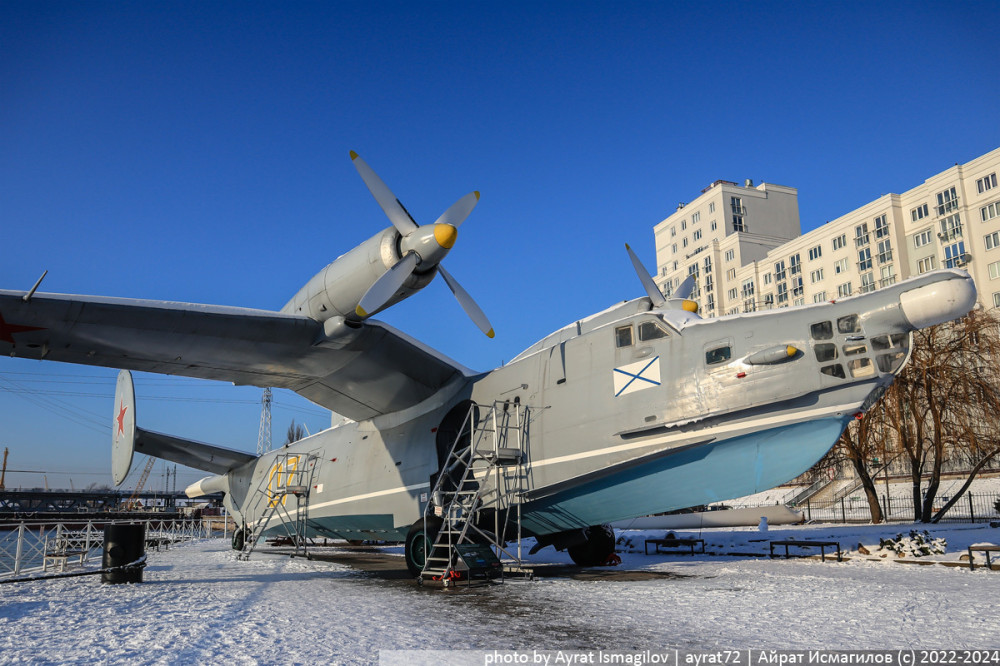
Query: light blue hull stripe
710,473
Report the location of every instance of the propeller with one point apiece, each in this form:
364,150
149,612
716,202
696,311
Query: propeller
422,247
679,299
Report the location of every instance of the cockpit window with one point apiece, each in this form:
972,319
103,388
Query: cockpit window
849,324
650,330
623,336
825,352
821,331
718,355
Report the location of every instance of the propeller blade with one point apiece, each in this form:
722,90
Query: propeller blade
394,210
684,289
459,210
654,293
387,285
471,308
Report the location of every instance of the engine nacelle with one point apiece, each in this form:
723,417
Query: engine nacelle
337,289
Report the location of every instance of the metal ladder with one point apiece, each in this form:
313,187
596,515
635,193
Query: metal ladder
483,473
290,476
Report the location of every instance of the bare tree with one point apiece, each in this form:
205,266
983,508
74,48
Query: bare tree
296,431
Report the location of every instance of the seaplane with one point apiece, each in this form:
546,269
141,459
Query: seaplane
643,408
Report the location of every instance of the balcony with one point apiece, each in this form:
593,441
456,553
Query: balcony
950,234
947,207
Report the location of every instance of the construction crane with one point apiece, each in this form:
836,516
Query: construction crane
133,500
3,473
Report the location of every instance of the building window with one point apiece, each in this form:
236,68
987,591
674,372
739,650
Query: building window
739,212
674,248
747,289
884,251
986,183
799,301
819,297
779,271
881,227
991,211
730,254
926,264
710,303
922,238
684,242
993,240
797,286
867,283
865,259
947,201
951,228
714,225
839,242
794,264
696,218
861,235
840,266
815,252
767,278
697,234
731,274
673,231
816,276
996,299
994,269
844,290
954,255
782,294
919,213
888,276
711,207
708,264
684,225
732,294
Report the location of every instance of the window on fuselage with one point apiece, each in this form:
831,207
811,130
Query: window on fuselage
718,355
821,331
623,336
849,324
650,330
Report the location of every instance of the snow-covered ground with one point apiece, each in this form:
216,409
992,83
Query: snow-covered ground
199,605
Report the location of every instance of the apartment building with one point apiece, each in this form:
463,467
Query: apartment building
951,220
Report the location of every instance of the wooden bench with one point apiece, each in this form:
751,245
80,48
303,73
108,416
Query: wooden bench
985,550
60,558
822,545
675,544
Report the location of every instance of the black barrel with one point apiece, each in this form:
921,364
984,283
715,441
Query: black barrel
123,544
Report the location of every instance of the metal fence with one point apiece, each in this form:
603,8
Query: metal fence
24,546
971,507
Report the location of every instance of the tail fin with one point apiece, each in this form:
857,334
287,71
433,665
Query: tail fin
127,439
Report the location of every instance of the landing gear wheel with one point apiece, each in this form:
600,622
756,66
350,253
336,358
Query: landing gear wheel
596,550
419,542
239,537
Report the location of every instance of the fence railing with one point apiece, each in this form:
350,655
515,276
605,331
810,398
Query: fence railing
24,545
971,507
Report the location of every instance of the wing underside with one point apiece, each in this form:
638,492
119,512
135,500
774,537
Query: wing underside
376,370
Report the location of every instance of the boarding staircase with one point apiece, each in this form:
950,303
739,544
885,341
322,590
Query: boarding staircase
288,480
477,498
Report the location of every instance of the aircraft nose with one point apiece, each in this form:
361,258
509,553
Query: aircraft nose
445,235
939,302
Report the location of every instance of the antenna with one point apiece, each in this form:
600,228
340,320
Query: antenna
264,434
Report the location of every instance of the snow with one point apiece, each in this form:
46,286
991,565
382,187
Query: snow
198,604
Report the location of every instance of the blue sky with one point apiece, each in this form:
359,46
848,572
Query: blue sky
199,152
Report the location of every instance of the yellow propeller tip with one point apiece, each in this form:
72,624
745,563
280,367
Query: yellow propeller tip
477,195
690,306
627,246
490,333
360,311
354,155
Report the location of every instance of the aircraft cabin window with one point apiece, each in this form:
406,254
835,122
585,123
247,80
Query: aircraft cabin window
822,330
718,355
825,352
861,367
890,362
854,349
650,330
883,342
623,336
835,370
849,324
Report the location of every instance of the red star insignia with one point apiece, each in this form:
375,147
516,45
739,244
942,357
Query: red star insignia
121,419
7,331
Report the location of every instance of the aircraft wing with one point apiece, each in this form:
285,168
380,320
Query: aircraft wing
375,370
